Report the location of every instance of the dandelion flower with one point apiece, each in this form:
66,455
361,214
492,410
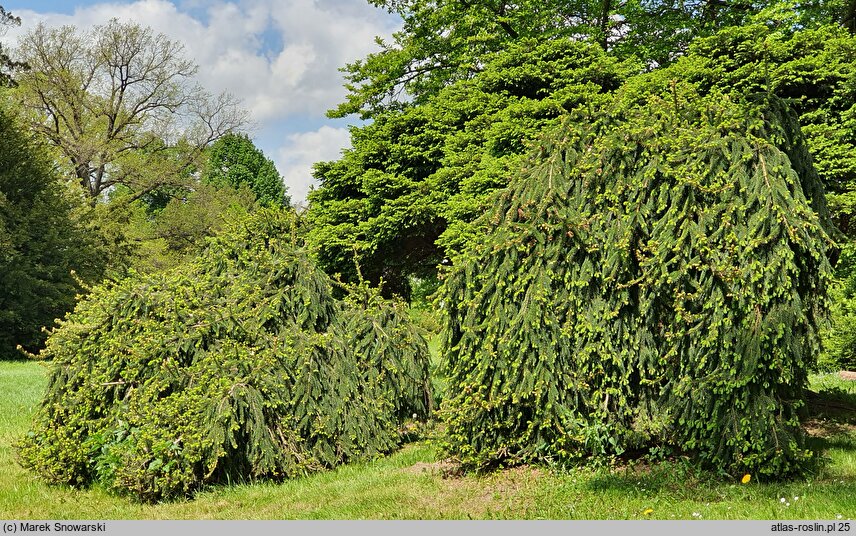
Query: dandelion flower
782,500
746,478
648,512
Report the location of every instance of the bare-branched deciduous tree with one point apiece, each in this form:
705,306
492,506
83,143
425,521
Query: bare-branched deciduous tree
8,66
121,104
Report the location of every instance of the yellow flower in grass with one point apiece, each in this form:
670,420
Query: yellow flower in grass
746,478
648,512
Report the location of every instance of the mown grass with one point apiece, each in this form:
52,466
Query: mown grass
413,484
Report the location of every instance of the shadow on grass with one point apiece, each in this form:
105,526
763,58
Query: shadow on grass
831,426
832,404
676,477
830,422
831,418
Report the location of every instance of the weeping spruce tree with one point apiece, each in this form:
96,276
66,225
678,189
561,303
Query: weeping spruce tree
235,367
654,278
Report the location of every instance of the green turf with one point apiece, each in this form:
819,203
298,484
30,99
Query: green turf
412,484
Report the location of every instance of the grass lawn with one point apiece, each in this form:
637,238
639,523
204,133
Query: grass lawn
413,484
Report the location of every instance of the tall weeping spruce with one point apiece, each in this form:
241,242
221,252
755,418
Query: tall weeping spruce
235,367
655,277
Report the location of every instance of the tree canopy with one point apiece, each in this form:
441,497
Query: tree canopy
8,65
417,176
405,193
445,42
120,104
234,160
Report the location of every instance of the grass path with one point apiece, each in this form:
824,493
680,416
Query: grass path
412,484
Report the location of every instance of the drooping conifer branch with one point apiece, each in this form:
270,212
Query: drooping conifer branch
236,367
654,277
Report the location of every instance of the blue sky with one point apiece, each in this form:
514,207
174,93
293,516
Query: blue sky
281,57
35,5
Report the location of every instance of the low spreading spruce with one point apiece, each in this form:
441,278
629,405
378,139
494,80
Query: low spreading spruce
653,281
239,366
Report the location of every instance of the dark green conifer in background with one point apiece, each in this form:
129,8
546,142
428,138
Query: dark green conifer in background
234,160
43,243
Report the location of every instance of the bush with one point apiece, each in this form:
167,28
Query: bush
235,367
655,276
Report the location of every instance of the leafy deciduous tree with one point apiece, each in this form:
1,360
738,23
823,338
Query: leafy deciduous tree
7,65
445,42
234,160
163,237
120,104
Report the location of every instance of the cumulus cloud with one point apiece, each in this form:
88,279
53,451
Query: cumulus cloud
281,58
303,149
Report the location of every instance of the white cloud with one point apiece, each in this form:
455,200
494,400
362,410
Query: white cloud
317,38
281,57
304,149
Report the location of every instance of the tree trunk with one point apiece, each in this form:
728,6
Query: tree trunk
603,24
848,18
82,172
